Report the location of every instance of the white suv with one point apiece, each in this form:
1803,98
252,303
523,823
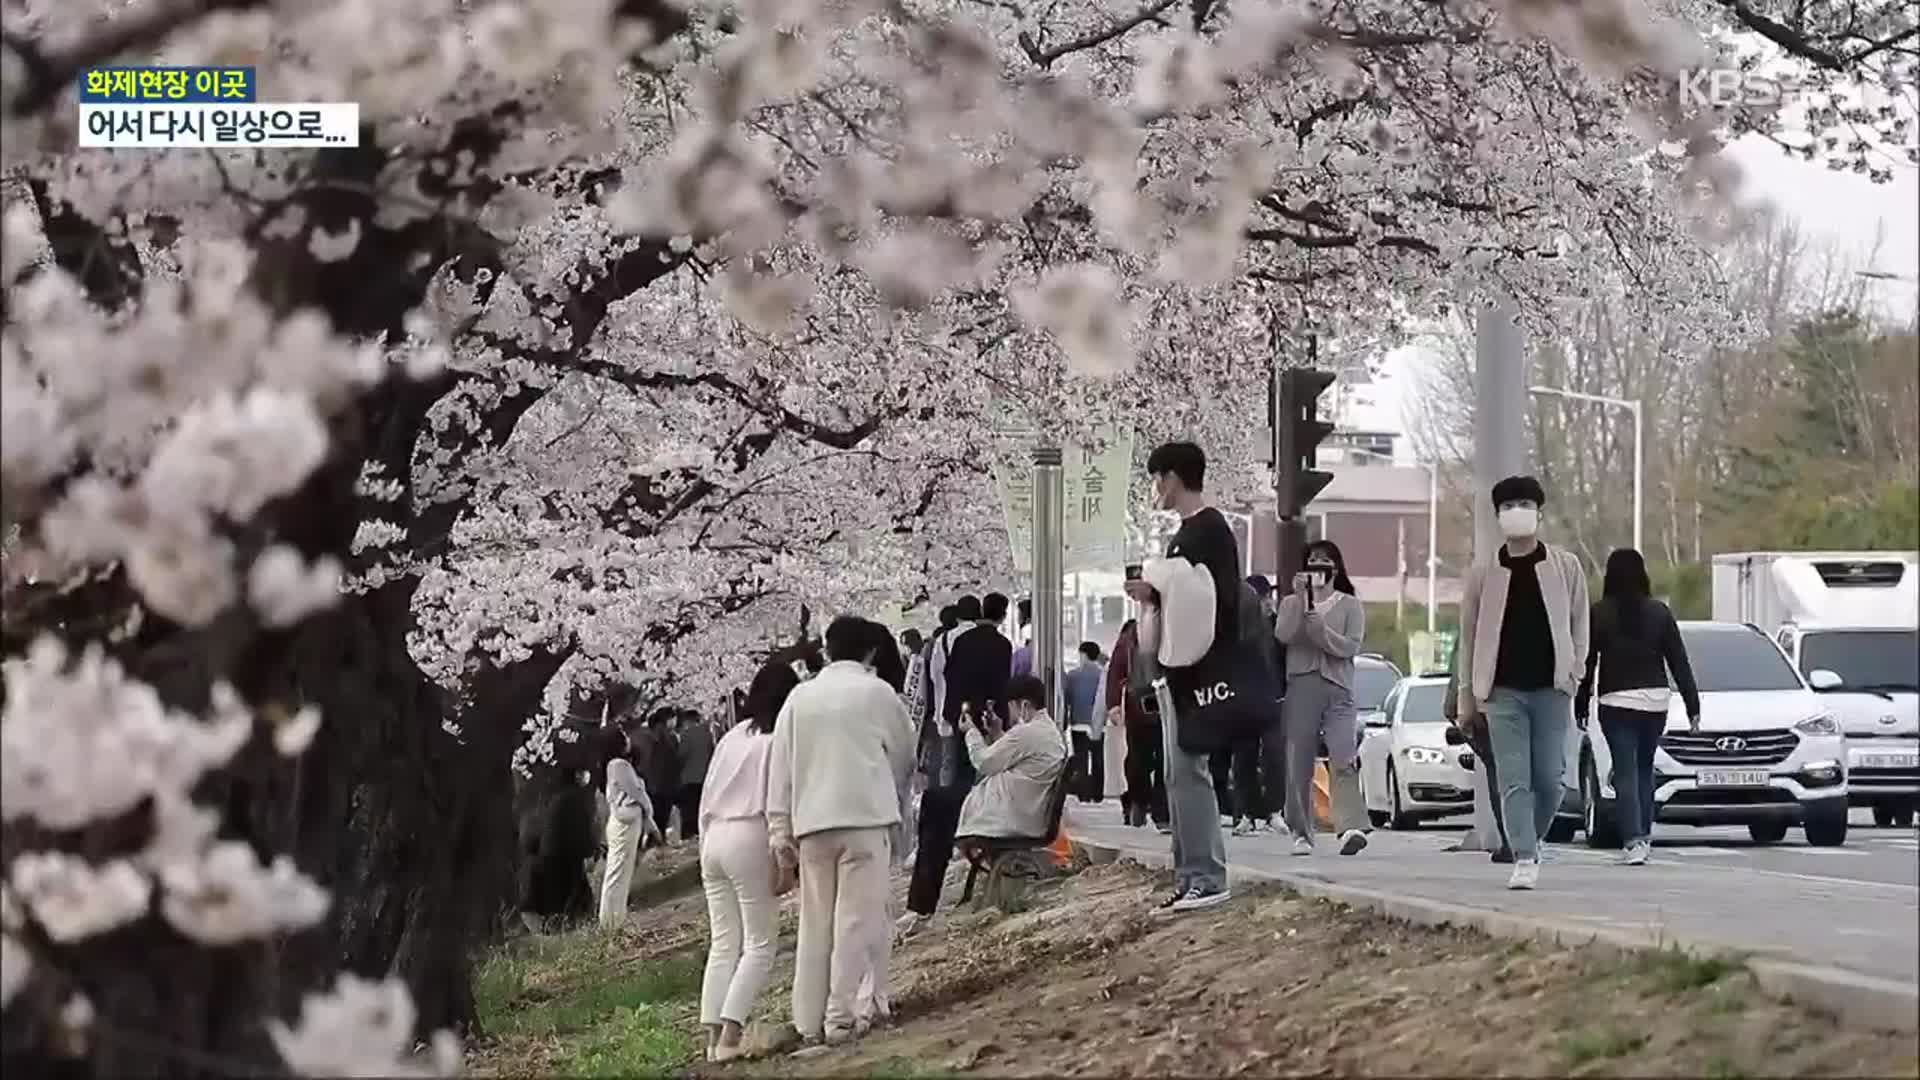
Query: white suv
1768,754
1870,678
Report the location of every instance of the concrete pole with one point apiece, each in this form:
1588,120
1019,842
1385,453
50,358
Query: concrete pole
1400,593
1499,450
1049,554
1433,543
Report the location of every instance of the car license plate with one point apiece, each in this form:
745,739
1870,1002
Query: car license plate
1733,778
1888,761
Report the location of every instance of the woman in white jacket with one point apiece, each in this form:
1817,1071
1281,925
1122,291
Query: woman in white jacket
737,868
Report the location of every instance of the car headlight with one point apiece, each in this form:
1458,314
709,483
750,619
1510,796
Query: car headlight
1425,755
1818,725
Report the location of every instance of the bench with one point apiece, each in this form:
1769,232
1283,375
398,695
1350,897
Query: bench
1006,859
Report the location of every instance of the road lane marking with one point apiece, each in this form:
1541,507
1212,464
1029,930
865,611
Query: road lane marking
1818,878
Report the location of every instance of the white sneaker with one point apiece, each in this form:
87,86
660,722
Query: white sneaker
1636,853
1353,843
1303,845
909,924
1526,874
1243,827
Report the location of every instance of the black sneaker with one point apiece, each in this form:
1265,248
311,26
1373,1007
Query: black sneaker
1167,904
1199,900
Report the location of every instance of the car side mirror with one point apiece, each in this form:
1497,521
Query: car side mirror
1378,720
1822,679
1456,737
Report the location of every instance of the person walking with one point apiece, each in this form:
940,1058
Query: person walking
1087,723
1189,622
832,804
659,757
1023,655
1523,646
737,868
914,647
630,825
1636,646
977,667
1259,762
873,1002
1126,695
1322,624
695,741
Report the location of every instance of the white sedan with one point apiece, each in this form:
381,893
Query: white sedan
1408,773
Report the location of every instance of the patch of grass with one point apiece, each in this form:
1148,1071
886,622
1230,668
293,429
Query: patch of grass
527,967
1602,1044
574,1005
1675,971
645,1040
598,995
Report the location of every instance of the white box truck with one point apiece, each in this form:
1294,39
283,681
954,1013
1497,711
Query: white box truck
1850,621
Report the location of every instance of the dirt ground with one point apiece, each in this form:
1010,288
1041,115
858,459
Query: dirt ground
1086,983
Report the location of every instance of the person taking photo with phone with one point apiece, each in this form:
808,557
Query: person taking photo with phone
1322,624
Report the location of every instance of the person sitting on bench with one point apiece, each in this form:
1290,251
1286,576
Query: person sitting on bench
1017,768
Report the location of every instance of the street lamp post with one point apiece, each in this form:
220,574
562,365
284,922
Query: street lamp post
1639,447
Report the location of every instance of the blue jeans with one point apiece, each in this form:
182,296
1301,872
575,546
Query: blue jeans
1529,732
1632,735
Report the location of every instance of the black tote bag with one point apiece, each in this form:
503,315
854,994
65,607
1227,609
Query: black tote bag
1226,699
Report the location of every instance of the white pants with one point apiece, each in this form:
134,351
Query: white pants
623,845
743,916
843,913
875,999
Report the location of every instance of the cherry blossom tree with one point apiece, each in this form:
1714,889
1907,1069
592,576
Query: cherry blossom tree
630,332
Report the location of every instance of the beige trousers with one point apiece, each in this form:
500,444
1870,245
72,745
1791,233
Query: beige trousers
843,912
623,847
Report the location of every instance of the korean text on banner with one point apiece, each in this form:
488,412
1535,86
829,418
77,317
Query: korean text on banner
1094,511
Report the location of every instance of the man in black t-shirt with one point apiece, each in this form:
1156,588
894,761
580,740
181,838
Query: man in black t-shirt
1202,553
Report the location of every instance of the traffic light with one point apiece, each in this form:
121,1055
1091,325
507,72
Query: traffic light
1298,431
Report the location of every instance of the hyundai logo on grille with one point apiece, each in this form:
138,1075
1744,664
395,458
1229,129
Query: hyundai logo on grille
1732,744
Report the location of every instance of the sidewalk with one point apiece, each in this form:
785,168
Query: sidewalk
1860,927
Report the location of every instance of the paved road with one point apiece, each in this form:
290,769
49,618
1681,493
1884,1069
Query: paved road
1855,907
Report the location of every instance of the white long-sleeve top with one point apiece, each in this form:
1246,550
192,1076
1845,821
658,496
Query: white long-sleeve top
736,781
627,797
838,746
1016,775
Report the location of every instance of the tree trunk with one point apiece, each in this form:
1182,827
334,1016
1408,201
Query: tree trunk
415,824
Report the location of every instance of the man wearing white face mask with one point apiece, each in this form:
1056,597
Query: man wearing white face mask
1523,648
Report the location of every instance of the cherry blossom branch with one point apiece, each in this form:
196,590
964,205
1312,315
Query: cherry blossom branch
1045,57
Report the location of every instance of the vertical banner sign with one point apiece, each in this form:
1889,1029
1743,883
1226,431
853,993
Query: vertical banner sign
1015,480
1096,506
1095,509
